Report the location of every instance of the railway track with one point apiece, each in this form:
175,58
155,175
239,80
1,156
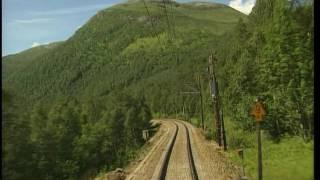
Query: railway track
181,153
141,172
193,169
162,169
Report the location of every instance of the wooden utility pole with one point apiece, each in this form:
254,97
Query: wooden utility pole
196,91
201,101
183,109
214,95
223,132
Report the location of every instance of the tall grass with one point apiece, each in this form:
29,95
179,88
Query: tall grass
289,159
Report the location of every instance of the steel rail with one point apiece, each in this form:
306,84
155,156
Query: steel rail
161,174
193,169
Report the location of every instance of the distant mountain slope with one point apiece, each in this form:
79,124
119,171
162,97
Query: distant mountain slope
14,62
123,48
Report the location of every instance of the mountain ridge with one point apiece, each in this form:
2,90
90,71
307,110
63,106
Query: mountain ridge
100,49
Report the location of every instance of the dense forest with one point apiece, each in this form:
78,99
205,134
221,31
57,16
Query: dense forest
68,138
80,105
271,57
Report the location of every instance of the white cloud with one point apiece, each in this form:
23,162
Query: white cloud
31,21
75,10
244,6
35,44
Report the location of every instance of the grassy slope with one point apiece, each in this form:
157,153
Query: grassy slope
290,159
121,39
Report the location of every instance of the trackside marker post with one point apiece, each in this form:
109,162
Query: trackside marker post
243,176
258,112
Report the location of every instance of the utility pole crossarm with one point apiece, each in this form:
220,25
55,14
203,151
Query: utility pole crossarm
191,87
195,92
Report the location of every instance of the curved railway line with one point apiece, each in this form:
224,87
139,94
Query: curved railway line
194,173
161,173
141,172
180,152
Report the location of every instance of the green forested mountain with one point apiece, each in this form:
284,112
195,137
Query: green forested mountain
121,47
132,60
15,63
81,104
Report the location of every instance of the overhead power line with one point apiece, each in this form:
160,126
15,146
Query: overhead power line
173,20
167,17
149,15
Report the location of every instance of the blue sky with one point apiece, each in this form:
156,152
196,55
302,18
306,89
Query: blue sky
28,23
